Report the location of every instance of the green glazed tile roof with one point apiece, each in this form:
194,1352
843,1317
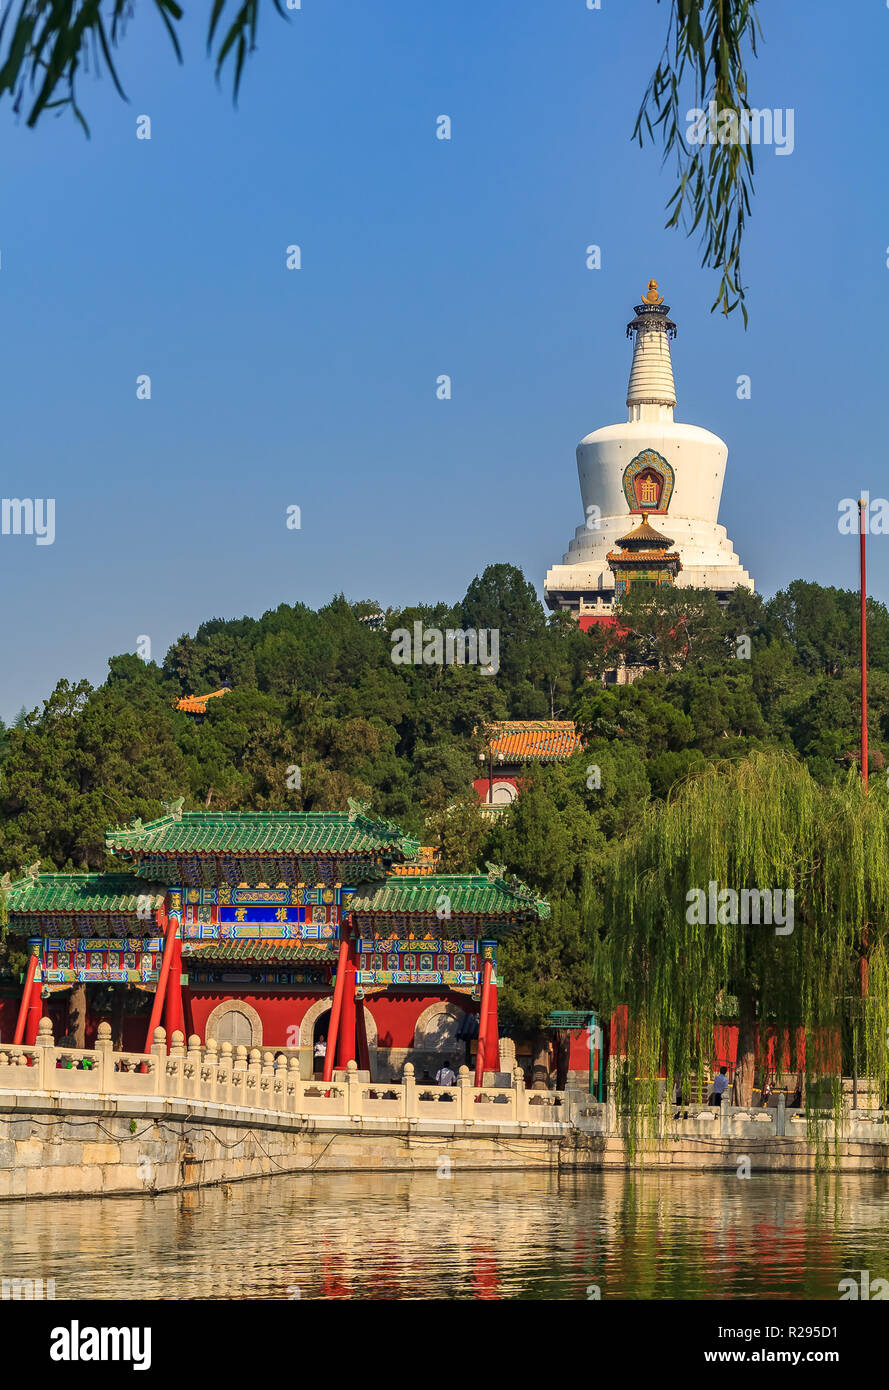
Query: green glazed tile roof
494,895
352,832
111,893
322,953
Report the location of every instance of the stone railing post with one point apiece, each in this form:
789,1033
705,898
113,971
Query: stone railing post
611,1096
191,1068
176,1064
464,1081
104,1059
266,1081
159,1053
781,1114
354,1103
520,1095
409,1085
224,1093
210,1070
279,1084
254,1071
294,1086
46,1057
239,1076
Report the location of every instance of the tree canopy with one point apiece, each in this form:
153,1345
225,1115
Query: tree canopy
318,711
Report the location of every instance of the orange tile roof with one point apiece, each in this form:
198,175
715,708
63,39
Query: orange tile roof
536,739
197,704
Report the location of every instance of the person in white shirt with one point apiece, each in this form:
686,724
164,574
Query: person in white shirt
320,1054
445,1076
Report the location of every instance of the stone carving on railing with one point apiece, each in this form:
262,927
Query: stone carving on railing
221,1074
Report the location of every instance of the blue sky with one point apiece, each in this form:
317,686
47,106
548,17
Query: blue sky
316,388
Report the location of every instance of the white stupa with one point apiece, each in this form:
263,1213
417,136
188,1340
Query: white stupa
651,466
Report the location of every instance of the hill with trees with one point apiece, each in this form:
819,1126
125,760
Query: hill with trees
318,691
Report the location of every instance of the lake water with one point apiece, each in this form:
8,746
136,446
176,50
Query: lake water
473,1235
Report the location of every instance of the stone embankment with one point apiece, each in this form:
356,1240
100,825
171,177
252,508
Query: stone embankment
96,1122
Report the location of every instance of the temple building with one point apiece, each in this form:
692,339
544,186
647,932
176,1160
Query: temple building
644,558
651,466
196,705
511,746
271,930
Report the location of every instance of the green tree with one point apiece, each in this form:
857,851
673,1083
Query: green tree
762,823
705,58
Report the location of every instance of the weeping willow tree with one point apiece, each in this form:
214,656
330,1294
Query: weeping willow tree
687,933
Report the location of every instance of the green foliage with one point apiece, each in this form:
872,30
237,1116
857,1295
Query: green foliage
317,693
704,60
762,823
44,45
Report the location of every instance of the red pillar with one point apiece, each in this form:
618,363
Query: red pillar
27,991
483,1019
336,1009
862,526
160,991
35,1014
174,1014
492,1048
345,1045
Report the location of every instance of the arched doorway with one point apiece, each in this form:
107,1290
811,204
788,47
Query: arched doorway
316,1021
320,1031
235,1022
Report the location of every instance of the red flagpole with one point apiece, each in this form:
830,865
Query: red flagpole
862,521
861,536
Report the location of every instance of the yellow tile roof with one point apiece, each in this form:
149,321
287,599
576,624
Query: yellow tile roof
537,739
197,704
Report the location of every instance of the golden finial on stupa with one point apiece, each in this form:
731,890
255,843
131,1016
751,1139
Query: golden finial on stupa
652,297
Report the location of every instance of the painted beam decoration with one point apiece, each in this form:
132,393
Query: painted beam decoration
264,914
98,960
433,961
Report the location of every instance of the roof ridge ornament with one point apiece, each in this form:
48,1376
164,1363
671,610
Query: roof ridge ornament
525,896
172,808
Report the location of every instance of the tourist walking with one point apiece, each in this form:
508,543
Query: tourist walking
320,1055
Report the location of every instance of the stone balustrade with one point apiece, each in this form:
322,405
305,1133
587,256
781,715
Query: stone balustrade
232,1076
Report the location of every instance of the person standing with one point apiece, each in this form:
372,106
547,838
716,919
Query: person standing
320,1054
720,1086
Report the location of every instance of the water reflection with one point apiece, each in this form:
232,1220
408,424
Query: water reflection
475,1235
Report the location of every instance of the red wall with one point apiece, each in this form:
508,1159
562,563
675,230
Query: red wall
482,784
9,1012
281,1014
396,1015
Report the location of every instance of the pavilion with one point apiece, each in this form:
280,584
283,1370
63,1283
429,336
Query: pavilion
272,929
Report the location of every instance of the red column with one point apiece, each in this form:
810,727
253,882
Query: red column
862,528
35,1014
481,1051
174,1014
492,1041
160,991
336,1009
345,1046
27,991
